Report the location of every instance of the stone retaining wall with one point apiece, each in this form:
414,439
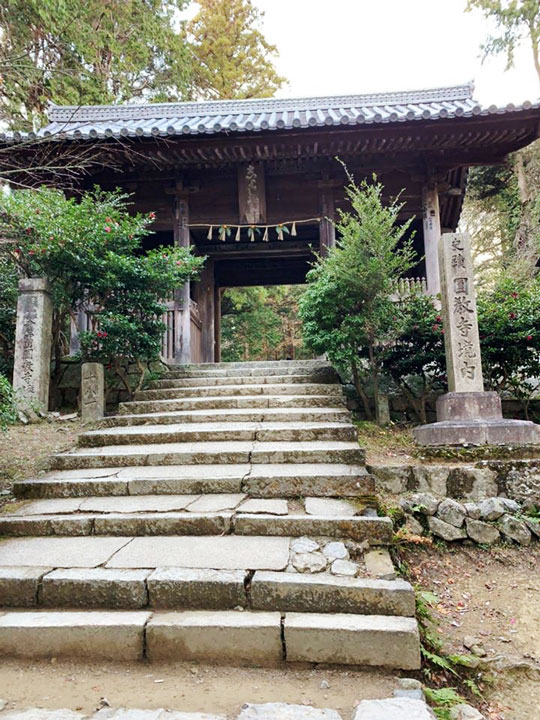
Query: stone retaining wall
69,386
515,479
484,522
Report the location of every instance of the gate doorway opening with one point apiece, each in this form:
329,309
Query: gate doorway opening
261,323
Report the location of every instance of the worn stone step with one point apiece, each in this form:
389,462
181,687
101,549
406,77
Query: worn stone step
89,634
254,371
211,453
375,530
219,637
233,415
218,390
225,552
373,640
249,364
261,481
232,402
210,432
204,589
168,382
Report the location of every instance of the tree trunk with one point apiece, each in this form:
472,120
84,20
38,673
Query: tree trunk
375,378
361,392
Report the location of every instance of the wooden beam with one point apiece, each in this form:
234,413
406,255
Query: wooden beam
432,234
327,232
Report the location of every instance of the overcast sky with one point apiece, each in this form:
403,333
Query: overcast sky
356,46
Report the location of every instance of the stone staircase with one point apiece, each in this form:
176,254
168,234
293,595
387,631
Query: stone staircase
225,516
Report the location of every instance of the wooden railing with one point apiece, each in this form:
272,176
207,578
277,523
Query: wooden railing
405,287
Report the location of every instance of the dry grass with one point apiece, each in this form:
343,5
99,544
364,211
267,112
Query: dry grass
25,450
392,445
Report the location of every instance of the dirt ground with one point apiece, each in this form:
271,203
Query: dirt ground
187,687
492,596
25,449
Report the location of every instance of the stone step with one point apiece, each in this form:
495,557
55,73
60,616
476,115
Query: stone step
323,371
375,530
233,402
210,432
218,390
168,382
211,453
220,637
261,481
247,364
234,415
179,588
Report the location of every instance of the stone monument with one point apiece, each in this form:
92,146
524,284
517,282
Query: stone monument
467,415
32,368
92,392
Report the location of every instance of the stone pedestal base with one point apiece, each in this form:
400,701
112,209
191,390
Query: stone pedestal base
471,418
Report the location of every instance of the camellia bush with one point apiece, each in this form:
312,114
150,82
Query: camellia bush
346,309
90,250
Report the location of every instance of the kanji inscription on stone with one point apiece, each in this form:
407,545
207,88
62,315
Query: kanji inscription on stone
458,297
32,365
92,391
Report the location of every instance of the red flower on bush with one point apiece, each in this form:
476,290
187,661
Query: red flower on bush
107,228
514,295
529,337
438,318
31,252
152,215
101,334
511,315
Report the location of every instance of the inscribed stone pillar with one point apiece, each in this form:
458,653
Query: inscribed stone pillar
92,392
466,415
432,235
32,369
458,297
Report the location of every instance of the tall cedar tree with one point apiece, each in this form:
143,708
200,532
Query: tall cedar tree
78,52
231,57
517,201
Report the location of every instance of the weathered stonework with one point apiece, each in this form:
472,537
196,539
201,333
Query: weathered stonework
92,392
31,372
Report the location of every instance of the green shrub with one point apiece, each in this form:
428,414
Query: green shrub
8,412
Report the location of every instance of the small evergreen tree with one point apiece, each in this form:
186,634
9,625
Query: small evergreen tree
346,309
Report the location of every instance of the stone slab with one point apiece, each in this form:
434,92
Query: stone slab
478,432
467,405
317,451
379,564
228,552
91,635
46,525
60,552
95,587
291,592
373,640
264,506
245,638
321,479
378,531
393,709
329,507
19,585
137,503
174,588
50,507
160,714
42,714
286,711
162,524
216,502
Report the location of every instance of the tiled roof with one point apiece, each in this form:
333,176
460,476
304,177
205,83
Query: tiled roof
235,116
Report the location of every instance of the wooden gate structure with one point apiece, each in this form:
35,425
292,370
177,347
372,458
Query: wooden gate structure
255,185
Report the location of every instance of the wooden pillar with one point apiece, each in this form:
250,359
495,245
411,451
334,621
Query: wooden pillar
327,232
432,234
217,323
206,310
182,349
